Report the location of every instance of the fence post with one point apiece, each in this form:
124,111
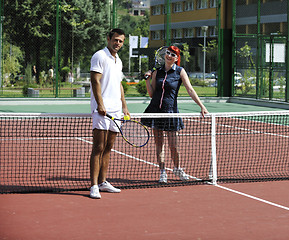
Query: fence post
287,58
57,49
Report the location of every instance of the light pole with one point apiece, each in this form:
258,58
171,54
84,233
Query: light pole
204,29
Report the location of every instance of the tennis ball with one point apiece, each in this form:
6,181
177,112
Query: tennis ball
126,117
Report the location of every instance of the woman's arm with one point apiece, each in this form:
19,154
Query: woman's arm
191,91
151,85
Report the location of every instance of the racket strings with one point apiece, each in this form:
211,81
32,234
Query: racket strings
160,56
135,133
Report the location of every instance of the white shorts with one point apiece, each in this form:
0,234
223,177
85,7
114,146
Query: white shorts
104,123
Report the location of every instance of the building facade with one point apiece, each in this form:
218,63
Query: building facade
187,17
186,21
139,7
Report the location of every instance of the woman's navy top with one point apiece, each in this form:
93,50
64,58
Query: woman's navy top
164,100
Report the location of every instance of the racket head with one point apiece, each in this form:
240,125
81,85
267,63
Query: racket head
159,59
134,133
160,56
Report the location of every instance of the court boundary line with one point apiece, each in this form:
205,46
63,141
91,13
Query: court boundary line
250,196
208,183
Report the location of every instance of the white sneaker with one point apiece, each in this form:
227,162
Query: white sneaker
94,192
179,172
163,177
107,187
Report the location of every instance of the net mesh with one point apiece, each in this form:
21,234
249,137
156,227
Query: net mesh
51,152
135,133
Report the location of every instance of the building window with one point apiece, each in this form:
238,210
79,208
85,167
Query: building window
213,3
164,9
156,35
177,33
189,5
178,7
202,4
189,32
212,31
199,32
156,10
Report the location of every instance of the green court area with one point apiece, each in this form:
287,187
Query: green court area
135,105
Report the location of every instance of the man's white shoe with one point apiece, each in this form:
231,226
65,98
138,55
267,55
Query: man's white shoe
107,187
94,192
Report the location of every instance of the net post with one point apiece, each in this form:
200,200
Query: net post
213,170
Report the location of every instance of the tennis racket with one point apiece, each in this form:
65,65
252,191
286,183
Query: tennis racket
132,131
159,59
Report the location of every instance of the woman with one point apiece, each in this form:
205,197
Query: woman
163,89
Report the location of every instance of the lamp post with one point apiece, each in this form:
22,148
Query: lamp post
204,29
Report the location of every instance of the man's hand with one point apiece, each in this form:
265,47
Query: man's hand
101,110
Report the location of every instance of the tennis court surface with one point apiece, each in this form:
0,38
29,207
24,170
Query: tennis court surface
238,188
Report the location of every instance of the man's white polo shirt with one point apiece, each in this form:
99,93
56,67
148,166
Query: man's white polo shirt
111,68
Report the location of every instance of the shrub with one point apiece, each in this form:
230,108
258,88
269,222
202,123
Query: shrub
141,87
198,82
64,73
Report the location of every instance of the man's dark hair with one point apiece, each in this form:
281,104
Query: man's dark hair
115,30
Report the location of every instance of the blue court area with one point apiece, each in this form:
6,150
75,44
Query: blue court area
135,105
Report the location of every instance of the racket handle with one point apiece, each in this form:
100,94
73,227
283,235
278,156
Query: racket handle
146,77
108,115
150,72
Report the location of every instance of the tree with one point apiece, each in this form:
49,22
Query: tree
28,25
13,57
84,29
136,26
211,52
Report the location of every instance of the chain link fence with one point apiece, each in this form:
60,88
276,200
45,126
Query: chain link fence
260,56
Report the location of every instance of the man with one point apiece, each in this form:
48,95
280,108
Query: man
107,96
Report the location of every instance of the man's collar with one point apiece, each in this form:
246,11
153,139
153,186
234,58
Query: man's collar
109,54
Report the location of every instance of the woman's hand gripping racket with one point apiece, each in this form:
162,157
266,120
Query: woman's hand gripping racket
132,131
159,59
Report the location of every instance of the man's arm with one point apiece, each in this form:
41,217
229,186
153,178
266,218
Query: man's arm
124,106
96,89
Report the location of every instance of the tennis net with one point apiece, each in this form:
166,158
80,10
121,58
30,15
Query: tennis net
50,152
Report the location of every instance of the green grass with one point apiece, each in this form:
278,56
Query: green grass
66,90
201,91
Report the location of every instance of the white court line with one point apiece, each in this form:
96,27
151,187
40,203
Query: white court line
244,129
215,185
137,159
252,197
